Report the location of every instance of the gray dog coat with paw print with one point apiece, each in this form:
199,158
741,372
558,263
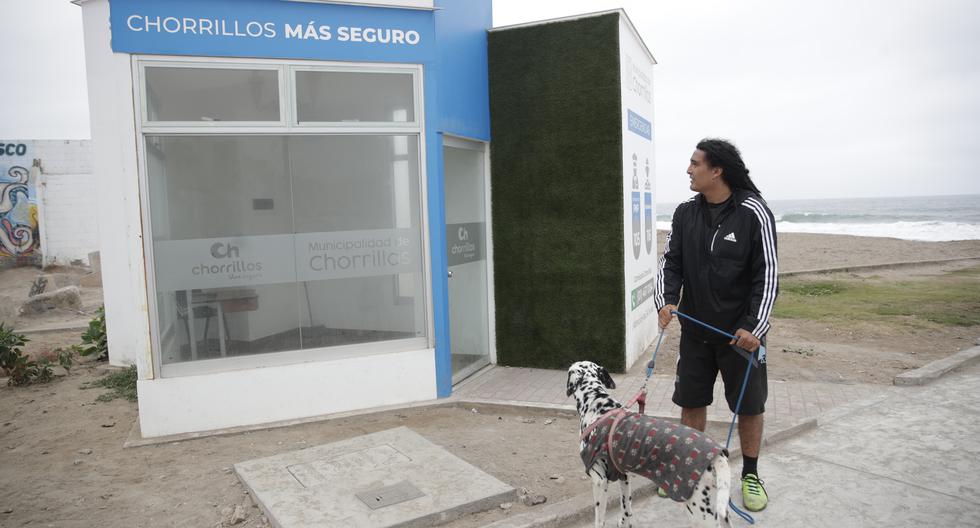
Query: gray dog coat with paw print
673,456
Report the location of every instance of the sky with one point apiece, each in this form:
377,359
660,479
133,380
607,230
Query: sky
825,98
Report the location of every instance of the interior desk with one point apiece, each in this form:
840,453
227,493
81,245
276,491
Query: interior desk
226,300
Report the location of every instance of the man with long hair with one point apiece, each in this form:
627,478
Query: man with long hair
721,251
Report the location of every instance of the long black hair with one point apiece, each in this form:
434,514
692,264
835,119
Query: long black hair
722,154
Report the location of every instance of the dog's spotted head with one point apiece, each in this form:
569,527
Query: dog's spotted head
582,372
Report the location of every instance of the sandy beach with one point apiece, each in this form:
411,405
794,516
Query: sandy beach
809,251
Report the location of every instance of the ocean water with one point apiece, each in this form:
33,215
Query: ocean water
932,218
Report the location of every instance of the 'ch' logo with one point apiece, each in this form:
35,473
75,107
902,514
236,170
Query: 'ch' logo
221,250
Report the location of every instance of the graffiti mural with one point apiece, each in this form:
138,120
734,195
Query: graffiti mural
19,235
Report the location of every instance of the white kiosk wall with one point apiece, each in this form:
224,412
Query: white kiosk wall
636,74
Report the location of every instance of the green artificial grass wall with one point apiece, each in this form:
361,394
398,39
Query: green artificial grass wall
557,193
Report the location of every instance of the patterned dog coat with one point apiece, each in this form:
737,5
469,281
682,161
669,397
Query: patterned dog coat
673,456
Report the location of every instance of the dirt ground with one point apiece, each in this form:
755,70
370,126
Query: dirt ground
62,463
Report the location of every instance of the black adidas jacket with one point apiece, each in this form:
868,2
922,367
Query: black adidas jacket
728,271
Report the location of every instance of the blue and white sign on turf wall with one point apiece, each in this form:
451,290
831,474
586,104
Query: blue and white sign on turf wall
638,185
253,28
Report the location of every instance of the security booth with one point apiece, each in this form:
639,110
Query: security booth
294,203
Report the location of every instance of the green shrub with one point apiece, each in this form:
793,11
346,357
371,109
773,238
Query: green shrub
94,339
121,384
66,358
20,369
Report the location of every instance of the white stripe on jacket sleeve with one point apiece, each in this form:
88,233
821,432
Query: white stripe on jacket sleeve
658,287
772,266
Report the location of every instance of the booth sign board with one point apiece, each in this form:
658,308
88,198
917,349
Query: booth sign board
638,183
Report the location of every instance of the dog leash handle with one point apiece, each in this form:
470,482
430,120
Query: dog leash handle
762,348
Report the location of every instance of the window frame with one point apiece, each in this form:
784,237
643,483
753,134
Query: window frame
294,111
208,65
286,126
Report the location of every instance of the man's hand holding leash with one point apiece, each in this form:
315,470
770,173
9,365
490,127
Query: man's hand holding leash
745,340
666,315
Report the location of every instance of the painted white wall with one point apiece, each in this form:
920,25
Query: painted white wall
256,396
636,74
67,202
110,94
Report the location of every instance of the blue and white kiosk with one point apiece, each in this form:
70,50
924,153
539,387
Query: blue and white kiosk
295,202
299,169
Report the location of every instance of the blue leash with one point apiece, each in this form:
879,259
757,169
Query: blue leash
738,405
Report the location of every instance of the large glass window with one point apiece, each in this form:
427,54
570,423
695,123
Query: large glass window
273,242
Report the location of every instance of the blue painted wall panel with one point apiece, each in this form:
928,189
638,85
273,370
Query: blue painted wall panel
461,34
266,29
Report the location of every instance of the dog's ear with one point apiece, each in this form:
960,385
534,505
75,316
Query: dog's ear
574,377
606,379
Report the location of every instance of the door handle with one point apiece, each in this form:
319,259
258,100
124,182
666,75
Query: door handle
450,274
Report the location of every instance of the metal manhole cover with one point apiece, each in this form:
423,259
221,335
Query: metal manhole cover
384,496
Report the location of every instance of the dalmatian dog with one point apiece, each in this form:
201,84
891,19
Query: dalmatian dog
707,506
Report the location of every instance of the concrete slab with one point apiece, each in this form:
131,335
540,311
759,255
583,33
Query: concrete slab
915,437
406,480
933,371
807,492
907,460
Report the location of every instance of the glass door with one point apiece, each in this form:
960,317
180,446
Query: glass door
465,173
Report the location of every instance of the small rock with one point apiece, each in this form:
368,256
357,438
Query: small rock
45,452
8,510
474,410
238,516
85,451
549,421
527,420
533,500
226,470
506,505
110,424
76,462
557,478
105,496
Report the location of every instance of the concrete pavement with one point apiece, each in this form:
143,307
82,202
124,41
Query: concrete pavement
911,458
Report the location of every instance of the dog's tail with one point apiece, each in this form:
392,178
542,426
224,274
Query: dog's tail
723,482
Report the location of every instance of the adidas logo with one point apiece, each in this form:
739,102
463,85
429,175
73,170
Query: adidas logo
730,237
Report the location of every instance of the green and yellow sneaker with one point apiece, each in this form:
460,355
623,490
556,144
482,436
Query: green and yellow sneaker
754,496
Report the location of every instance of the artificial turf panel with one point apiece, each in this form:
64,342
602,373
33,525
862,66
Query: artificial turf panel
557,193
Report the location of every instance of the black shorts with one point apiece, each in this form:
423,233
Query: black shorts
697,368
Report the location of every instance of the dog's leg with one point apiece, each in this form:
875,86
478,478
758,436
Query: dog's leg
708,506
723,481
625,503
600,486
